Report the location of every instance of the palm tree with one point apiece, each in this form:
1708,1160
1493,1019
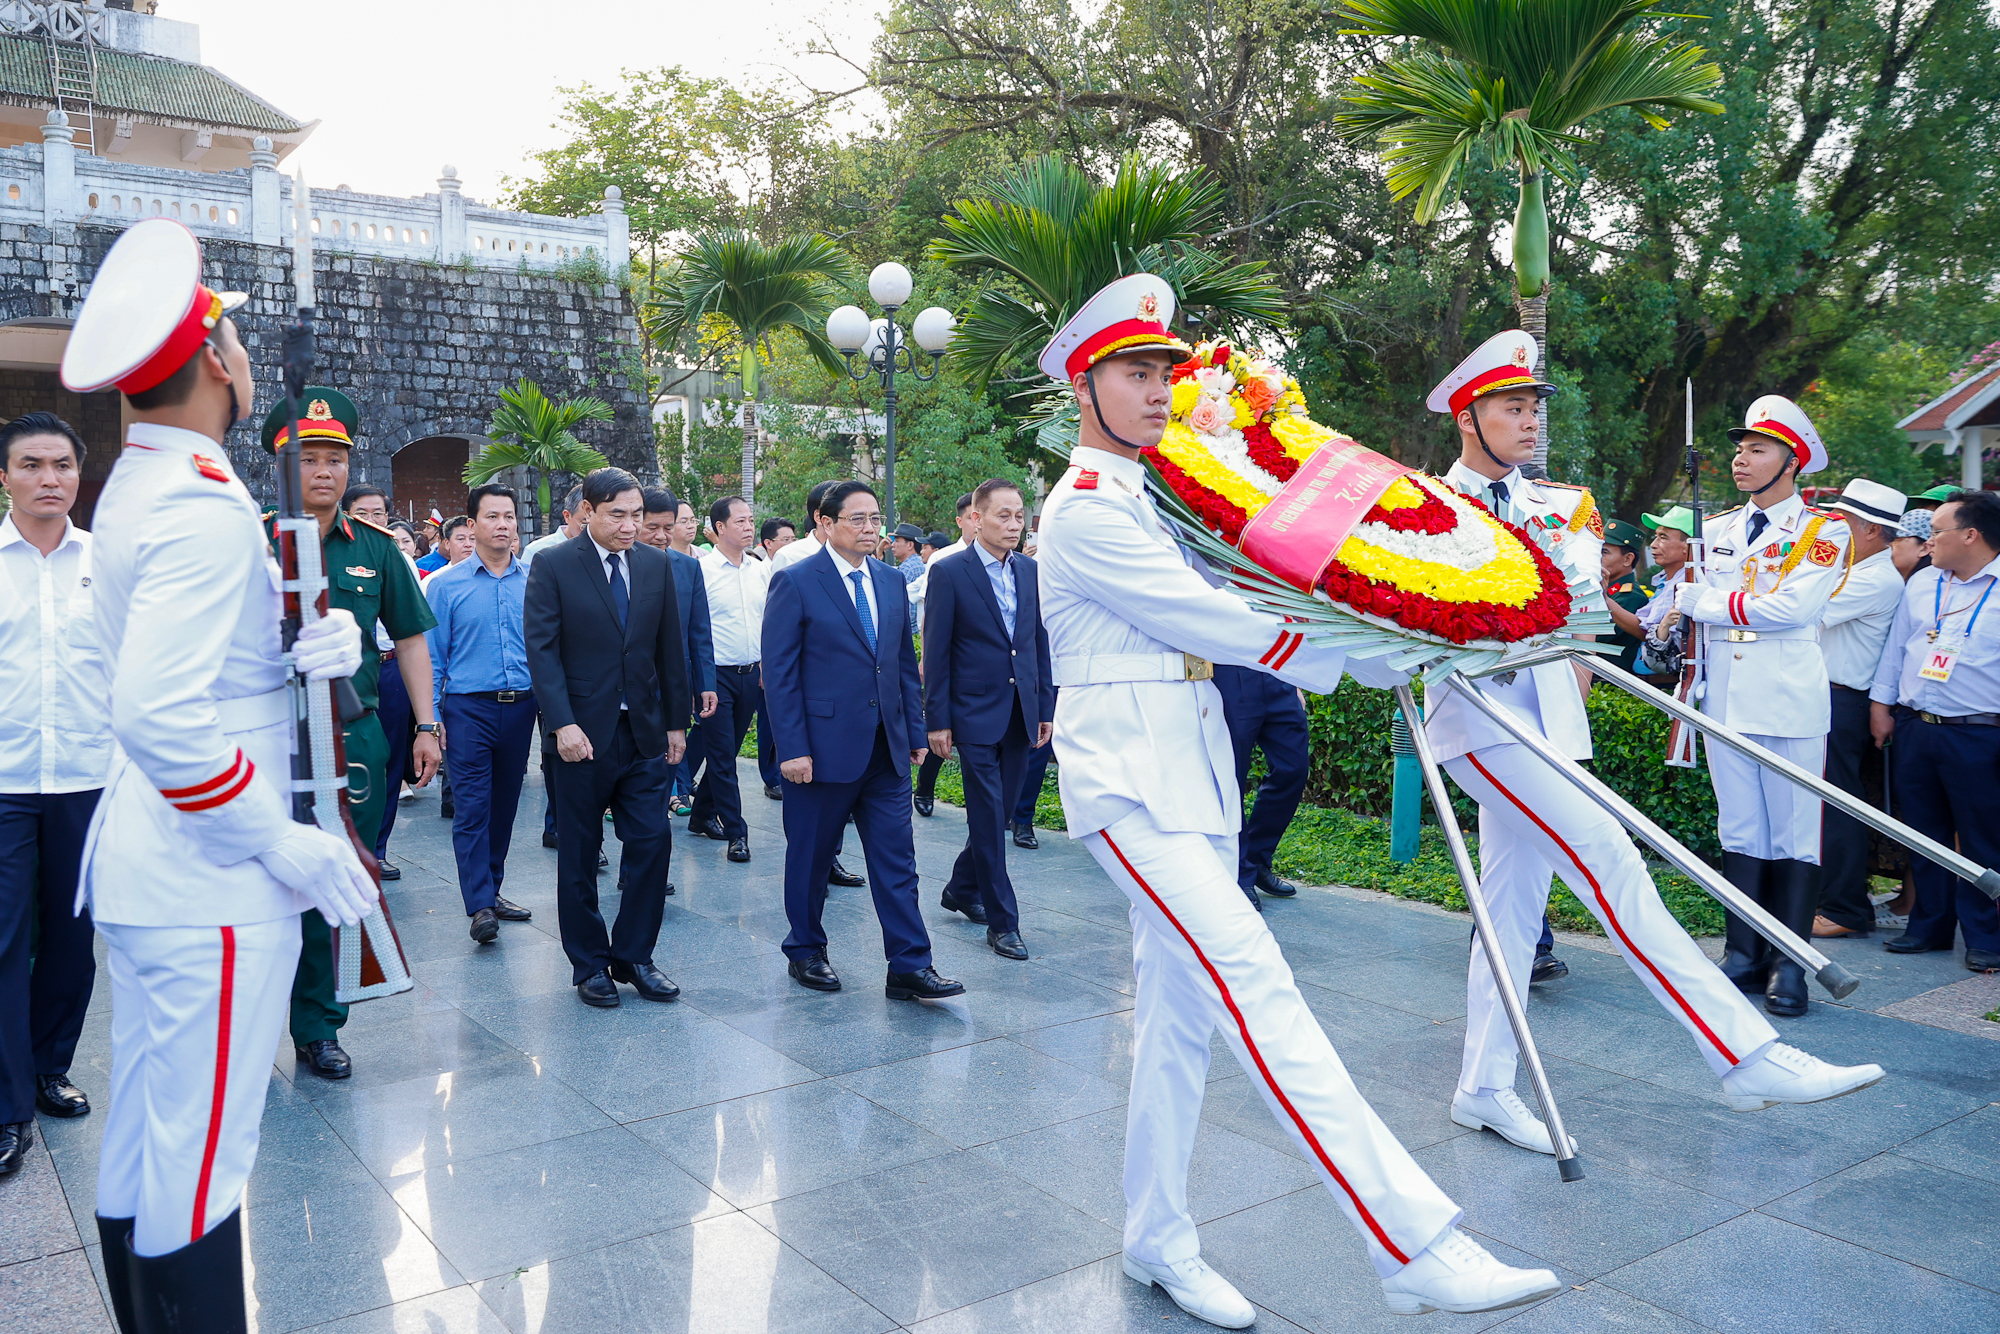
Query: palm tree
529,430
731,285
1060,236
1515,77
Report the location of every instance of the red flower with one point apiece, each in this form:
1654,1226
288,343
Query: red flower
1267,453
1222,355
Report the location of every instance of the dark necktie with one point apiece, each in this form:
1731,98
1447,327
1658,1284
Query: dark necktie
620,597
1758,522
861,606
1499,494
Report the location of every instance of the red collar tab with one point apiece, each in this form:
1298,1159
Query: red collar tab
1086,480
209,468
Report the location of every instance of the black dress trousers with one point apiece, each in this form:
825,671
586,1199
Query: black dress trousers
633,787
992,776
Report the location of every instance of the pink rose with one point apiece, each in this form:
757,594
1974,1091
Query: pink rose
1209,417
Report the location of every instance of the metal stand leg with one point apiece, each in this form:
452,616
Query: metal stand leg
1568,1165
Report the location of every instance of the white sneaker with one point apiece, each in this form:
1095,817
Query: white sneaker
1505,1115
1786,1074
1196,1289
1454,1273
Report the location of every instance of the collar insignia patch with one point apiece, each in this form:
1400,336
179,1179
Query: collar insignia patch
209,468
1086,480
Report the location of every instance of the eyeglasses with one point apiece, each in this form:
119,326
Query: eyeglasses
1940,532
860,521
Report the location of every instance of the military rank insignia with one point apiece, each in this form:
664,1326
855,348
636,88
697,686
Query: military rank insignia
1823,552
361,572
1086,480
209,468
1597,524
1771,552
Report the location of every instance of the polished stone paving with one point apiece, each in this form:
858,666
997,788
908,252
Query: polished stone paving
757,1157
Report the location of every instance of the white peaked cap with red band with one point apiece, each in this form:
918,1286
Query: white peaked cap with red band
147,312
1777,416
1130,315
1504,361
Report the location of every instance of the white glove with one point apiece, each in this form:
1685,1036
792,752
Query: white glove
1685,596
325,870
329,648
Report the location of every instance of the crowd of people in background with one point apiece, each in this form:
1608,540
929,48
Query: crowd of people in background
636,647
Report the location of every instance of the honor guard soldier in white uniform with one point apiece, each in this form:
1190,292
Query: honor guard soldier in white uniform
1772,567
193,869
1149,782
1534,822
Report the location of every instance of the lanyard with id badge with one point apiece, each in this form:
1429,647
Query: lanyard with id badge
1942,655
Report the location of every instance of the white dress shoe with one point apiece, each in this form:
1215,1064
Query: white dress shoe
1196,1289
1786,1074
1505,1115
1454,1273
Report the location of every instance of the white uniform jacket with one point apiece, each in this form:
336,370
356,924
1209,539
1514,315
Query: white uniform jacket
1764,603
187,609
1565,522
1122,605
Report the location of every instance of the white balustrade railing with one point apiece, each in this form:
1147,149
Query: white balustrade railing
50,183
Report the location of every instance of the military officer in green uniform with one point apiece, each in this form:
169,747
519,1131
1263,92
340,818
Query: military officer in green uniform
1623,593
368,577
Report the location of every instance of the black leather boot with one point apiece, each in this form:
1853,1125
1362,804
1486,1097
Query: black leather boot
113,1232
1746,955
1792,895
197,1289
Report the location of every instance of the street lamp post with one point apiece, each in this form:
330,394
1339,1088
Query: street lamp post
883,350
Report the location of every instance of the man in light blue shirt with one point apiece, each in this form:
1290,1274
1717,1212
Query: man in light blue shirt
479,670
1937,692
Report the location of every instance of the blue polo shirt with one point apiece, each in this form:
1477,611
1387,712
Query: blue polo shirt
480,642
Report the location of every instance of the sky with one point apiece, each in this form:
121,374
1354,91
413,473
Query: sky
474,85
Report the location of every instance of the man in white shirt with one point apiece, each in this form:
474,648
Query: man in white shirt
736,586
791,553
1852,632
55,746
572,528
773,537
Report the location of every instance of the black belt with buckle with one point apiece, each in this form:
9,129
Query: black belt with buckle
744,670
497,696
1945,720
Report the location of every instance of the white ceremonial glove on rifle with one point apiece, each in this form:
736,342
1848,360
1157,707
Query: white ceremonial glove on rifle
325,870
329,648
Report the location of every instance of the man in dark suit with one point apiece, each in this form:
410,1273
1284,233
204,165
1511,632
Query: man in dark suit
987,693
1265,714
841,689
606,654
656,530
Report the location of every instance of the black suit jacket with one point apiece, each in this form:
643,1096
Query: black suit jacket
974,673
582,666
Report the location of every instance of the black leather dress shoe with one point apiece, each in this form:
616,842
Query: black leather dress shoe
324,1058
1908,944
1024,837
56,1096
1982,961
972,908
485,926
598,989
774,792
1278,889
647,980
924,984
390,871
670,886
446,810
840,875
1256,899
548,840
15,1141
1547,969
709,828
1006,944
603,860
815,973
925,805
739,849
510,912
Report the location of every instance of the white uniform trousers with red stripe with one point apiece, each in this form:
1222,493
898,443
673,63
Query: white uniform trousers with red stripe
196,1013
1533,822
1205,960
1764,814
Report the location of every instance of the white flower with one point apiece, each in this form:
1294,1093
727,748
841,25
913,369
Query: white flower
1215,380
1233,452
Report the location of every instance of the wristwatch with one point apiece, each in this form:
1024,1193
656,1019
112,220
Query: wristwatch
432,728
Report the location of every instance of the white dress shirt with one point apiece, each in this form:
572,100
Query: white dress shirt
1857,621
1000,573
793,552
846,573
736,607
541,544
1953,611
55,709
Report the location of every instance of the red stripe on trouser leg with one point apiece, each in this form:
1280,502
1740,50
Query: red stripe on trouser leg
1250,1045
1604,904
223,1014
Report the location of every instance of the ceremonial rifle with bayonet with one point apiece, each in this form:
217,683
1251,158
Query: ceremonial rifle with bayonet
371,963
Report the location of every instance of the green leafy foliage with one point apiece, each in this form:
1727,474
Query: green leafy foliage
530,430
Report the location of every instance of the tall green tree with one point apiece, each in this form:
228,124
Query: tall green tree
732,290
530,430
1514,78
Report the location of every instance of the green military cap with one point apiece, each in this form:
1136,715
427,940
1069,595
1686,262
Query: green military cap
1618,533
1680,518
325,415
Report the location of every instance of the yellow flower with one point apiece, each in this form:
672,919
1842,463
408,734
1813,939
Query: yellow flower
1300,436
1244,417
1185,394
1509,579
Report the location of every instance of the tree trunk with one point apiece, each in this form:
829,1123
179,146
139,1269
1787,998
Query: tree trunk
749,370
1531,286
1534,313
542,525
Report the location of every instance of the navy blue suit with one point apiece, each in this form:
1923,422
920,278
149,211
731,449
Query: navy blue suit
991,690
1264,712
698,644
858,715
